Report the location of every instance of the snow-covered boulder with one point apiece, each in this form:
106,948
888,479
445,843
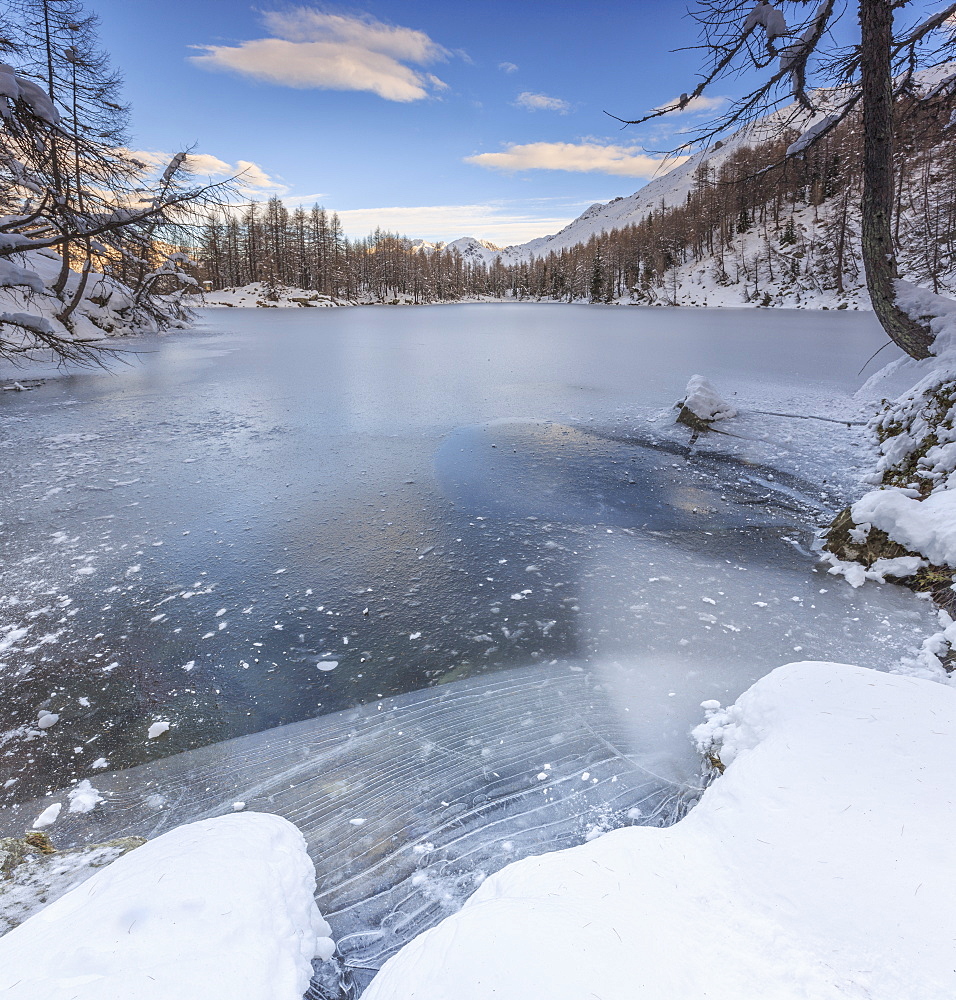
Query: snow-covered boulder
702,405
221,909
818,865
33,873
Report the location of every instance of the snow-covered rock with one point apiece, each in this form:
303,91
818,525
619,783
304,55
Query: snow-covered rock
704,402
818,865
924,526
35,874
221,909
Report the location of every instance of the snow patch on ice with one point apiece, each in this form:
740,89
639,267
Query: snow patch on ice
84,797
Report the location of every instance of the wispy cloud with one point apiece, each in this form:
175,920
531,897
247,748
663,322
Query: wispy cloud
580,157
507,67
695,106
309,48
500,222
541,102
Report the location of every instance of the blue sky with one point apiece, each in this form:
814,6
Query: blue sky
436,120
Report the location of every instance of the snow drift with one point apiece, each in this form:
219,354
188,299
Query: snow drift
221,909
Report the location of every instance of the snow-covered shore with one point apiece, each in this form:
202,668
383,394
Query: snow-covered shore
222,908
818,865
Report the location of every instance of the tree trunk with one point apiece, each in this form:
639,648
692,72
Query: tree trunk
879,259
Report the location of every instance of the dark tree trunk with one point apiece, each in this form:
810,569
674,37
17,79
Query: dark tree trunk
879,258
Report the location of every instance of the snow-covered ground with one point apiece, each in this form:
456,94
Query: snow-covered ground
817,864
258,295
222,909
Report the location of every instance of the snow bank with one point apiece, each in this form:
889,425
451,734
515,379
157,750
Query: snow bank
220,909
28,304
819,865
258,293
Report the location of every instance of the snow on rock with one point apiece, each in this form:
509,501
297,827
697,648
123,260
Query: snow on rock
704,402
157,729
818,865
34,878
259,294
856,574
925,526
221,909
932,658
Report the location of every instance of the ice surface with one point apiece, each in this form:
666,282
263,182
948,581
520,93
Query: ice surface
447,511
174,490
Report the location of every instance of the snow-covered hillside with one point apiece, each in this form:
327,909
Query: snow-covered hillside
672,186
666,190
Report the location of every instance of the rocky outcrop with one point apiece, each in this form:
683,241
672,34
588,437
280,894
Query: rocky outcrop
34,873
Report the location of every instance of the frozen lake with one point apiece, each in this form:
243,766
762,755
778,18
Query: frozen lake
287,513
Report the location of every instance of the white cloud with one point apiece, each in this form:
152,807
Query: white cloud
253,177
541,102
252,180
507,67
697,105
313,49
499,223
581,157
208,165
